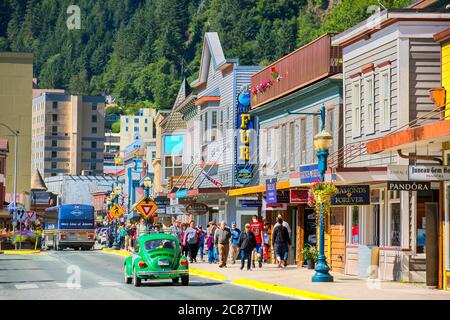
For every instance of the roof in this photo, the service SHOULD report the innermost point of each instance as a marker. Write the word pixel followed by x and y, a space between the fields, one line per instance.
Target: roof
pixel 37 183
pixel 212 52
pixel 442 36
pixel 384 18
pixel 4 145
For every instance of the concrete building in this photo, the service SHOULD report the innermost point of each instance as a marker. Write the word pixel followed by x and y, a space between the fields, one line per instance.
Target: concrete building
pixel 111 150
pixel 76 189
pixel 16 75
pixel 139 127
pixel 68 134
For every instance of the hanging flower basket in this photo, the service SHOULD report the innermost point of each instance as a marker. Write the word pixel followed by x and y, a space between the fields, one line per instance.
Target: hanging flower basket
pixel 320 194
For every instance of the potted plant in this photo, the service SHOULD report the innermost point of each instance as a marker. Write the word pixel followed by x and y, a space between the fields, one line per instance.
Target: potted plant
pixel 310 255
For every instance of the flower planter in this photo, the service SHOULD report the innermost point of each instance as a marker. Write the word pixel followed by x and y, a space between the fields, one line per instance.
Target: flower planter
pixel 310 263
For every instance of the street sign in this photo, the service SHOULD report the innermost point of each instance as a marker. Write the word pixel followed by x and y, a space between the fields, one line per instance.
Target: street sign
pixel 429 173
pixel 116 211
pixel 146 207
pixel 20 215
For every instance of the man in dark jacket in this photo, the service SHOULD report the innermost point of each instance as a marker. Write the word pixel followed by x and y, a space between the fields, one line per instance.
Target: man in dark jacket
pixel 246 244
pixel 281 242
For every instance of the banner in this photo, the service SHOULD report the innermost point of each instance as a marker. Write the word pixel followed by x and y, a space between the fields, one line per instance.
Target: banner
pixel 271 190
pixel 212 180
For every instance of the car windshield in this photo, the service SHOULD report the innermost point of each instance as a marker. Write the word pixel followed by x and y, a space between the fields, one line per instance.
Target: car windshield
pixel 159 244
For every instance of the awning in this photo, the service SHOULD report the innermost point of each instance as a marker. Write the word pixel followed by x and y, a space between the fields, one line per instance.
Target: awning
pixel 430 135
pixel 257 189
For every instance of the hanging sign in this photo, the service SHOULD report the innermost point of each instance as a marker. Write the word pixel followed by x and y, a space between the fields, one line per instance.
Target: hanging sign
pixel 408 186
pixel 250 203
pixel 299 196
pixel 356 195
pixel 244 175
pixel 197 208
pixel 271 190
pixel 283 197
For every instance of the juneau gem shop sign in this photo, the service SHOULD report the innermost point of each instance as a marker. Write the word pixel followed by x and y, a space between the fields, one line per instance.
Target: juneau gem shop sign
pixel 357 195
pixel 408 186
pixel 429 173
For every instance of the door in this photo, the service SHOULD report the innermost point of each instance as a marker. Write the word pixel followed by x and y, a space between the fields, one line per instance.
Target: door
pixel 431 242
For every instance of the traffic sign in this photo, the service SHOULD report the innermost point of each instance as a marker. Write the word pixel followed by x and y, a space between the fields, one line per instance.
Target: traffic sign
pixel 20 215
pixel 116 211
pixel 146 207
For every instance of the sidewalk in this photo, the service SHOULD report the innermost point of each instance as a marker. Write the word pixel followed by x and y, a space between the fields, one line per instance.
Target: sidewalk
pixel 292 280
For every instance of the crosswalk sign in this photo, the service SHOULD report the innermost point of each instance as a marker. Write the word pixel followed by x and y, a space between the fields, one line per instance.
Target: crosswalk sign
pixel 146 207
pixel 116 211
pixel 20 215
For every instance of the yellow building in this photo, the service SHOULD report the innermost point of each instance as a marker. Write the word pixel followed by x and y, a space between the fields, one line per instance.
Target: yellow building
pixel 16 81
pixel 444 39
pixel 138 127
pixel 68 134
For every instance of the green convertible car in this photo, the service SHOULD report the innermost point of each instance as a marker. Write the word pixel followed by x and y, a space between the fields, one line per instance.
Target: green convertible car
pixel 158 257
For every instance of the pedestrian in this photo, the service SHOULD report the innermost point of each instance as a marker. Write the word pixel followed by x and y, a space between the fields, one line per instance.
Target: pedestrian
pixel 123 234
pixel 286 225
pixel 192 241
pixel 110 236
pixel 235 234
pixel 141 229
pixel 215 248
pixel 257 228
pixel 184 247
pixel 134 235
pixel 175 228
pixel 246 245
pixel 210 243
pixel 202 235
pixel 266 242
pixel 128 237
pixel 281 242
pixel 222 238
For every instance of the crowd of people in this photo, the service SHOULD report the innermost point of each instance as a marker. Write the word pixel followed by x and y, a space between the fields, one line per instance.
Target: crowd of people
pixel 217 243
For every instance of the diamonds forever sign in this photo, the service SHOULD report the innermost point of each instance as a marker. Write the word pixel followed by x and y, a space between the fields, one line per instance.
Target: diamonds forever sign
pixel 429 173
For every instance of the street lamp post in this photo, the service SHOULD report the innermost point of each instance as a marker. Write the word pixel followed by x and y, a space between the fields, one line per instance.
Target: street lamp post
pixel 322 144
pixel 147 184
pixel 108 208
pixel 115 195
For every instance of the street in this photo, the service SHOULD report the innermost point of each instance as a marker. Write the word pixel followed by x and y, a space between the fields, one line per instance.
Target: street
pixel 55 275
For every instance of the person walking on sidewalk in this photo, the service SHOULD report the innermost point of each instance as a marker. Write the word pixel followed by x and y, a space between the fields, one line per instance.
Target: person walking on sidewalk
pixel 222 240
pixel 266 242
pixel 257 228
pixel 281 242
pixel 183 244
pixel 210 243
pixel 192 241
pixel 246 244
pixel 141 229
pixel 201 235
pixel 128 237
pixel 123 234
pixel 235 234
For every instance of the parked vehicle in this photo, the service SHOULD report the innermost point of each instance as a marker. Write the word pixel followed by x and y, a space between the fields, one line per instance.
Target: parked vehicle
pixel 70 226
pixel 158 256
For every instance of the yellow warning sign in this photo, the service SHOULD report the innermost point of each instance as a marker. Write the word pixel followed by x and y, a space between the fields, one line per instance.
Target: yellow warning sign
pixel 146 207
pixel 116 211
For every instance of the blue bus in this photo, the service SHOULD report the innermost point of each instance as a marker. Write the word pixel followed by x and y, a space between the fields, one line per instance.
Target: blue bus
pixel 70 226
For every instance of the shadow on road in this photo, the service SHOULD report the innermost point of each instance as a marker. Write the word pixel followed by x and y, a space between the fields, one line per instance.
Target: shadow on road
pixel 169 284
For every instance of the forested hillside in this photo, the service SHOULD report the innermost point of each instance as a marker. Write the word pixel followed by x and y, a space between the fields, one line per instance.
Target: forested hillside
pixel 139 50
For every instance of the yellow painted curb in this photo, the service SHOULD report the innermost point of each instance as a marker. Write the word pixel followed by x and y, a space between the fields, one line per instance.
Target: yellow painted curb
pixel 20 252
pixel 207 274
pixel 283 290
pixel 116 252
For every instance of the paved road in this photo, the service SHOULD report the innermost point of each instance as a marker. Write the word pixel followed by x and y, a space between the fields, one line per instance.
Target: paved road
pixel 54 275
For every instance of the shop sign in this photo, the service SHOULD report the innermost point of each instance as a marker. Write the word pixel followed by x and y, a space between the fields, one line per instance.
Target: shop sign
pixel 245 126
pixel 408 186
pixel 162 202
pixel 299 196
pixel 429 173
pixel 397 172
pixel 271 190
pixel 176 209
pixel 357 195
pixel 244 175
pixel 283 197
pixel 197 208
pixel 274 206
pixel 182 193
pixel 250 203
pixel 309 173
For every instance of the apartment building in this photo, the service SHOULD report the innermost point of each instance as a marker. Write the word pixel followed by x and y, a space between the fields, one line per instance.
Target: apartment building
pixel 138 127
pixel 67 134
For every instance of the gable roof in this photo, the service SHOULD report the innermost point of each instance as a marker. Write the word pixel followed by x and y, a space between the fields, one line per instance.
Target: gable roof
pixel 212 52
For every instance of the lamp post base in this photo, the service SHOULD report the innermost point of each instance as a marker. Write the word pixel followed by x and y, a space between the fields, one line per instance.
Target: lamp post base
pixel 322 271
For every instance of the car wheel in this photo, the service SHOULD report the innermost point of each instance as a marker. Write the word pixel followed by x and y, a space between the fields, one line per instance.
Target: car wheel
pixel 185 280
pixel 175 280
pixel 136 279
pixel 125 274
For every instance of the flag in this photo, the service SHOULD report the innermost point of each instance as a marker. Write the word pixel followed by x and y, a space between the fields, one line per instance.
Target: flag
pixel 213 181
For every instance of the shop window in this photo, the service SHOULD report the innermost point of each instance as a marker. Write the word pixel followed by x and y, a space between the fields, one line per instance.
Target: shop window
pixel 354 227
pixel 394 219
pixel 356 108
pixel 385 99
pixel 303 141
pixel 369 97
pixel 291 145
pixel 283 147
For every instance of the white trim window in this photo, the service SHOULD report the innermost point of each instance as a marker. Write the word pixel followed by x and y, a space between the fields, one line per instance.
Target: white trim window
pixel 385 98
pixel 303 141
pixel 394 219
pixel 369 109
pixel 356 108
pixel 291 145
